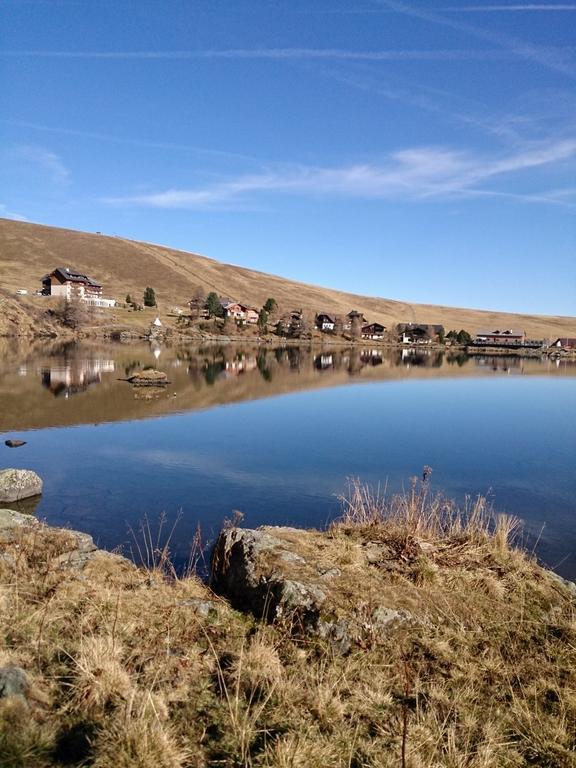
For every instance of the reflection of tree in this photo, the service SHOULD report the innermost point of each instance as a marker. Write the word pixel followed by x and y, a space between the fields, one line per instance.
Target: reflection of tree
pixel 262 364
pixel 355 364
pixel 460 358
pixel 294 358
pixel 212 369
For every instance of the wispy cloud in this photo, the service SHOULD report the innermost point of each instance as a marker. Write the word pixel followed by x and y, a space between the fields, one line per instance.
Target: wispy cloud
pixel 512 8
pixel 46 160
pixel 278 54
pixel 411 174
pixel 136 142
pixel 556 60
pixel 6 213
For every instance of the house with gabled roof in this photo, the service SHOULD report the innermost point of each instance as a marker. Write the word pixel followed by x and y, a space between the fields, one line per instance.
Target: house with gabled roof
pixel 325 322
pixel 373 331
pixel 419 333
pixel 69 284
pixel 565 342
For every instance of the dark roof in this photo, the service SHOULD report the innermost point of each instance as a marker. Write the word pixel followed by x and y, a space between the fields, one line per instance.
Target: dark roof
pixel 566 341
pixel 74 277
pixel 420 328
pixel 373 327
pixel 330 318
pixel 507 332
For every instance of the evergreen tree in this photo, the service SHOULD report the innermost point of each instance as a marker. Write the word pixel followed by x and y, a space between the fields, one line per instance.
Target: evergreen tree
pixel 270 305
pixel 262 319
pixel 213 305
pixel 149 297
pixel 128 299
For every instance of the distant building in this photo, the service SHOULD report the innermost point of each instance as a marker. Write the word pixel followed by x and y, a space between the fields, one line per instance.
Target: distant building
pixel 565 343
pixel 373 331
pixel 352 315
pixel 413 333
pixel 69 284
pixel 325 322
pixel 508 337
pixel 240 312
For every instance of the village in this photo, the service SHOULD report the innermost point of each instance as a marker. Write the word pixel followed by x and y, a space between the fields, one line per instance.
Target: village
pixel 224 316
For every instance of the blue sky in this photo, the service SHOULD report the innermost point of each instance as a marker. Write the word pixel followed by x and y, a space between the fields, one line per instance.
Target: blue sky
pixel 415 150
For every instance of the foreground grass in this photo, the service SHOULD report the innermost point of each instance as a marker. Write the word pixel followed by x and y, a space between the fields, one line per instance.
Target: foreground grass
pixel 136 668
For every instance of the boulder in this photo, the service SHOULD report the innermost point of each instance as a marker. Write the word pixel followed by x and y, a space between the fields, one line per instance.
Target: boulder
pixel 312 581
pixel 10 519
pixel 79 547
pixel 18 484
pixel 149 378
pixel 13 681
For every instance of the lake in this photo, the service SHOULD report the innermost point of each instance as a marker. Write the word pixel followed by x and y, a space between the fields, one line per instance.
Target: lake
pixel 277 433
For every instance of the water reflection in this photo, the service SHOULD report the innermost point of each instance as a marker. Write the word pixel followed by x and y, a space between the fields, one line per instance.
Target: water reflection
pixel 213 374
pixel 511 433
pixel 74 375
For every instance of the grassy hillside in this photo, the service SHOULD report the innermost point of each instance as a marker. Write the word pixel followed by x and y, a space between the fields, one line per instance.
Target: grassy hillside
pixel 28 251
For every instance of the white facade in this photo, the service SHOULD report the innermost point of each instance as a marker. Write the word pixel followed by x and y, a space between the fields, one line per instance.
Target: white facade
pixel 93 301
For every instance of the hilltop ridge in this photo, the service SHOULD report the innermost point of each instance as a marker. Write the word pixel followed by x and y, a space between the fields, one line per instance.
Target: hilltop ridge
pixel 28 251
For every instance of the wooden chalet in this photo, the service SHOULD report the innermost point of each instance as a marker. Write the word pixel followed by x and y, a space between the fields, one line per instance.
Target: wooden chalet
pixel 373 331
pixel 240 312
pixel 325 322
pixel 414 333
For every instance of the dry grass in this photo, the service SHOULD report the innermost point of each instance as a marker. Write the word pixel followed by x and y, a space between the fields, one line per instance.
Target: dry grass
pixel 127 671
pixel 127 266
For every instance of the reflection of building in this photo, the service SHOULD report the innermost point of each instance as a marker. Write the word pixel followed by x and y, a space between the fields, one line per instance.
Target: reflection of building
pixel 321 362
pixel 421 358
pixel 73 376
pixel 371 357
pixel 505 364
pixel 241 364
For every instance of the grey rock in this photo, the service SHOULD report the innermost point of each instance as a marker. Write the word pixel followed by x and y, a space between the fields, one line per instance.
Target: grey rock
pixel 14 443
pixel 13 681
pixel 337 633
pixel 297 596
pixel 329 573
pixel 570 585
pixel 383 617
pixel 18 484
pixel 203 608
pixel 246 567
pixel 9 518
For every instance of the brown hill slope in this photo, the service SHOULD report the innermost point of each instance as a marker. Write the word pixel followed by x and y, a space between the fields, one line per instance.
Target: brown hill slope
pixel 28 251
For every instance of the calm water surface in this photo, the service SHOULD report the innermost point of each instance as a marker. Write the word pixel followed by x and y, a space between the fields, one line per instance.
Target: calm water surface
pixel 276 433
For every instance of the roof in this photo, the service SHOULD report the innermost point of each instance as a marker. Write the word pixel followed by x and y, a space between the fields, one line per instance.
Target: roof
pixel 374 326
pixel 64 273
pixel 330 318
pixel 566 341
pixel 507 332
pixel 420 328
